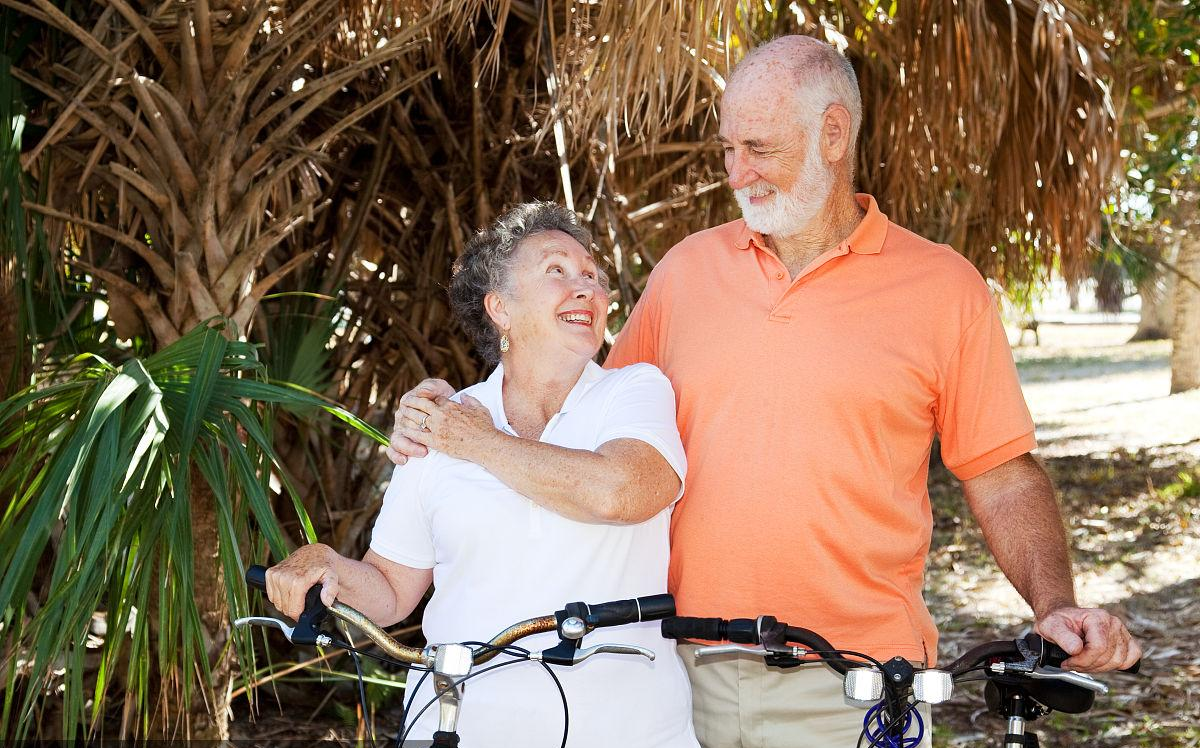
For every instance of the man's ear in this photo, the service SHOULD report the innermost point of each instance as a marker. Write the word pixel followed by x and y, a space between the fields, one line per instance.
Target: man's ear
pixel 496 310
pixel 835 133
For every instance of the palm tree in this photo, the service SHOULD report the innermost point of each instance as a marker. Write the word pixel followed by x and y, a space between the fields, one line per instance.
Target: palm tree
pixel 195 158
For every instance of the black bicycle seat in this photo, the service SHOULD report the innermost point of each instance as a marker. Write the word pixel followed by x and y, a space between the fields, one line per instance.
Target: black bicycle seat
pixel 1053 695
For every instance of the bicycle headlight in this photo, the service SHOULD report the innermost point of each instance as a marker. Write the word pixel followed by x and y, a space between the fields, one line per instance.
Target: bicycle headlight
pixel 933 686
pixel 863 684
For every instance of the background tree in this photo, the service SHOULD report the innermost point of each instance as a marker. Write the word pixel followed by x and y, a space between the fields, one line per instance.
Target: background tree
pixel 1155 216
pixel 310 169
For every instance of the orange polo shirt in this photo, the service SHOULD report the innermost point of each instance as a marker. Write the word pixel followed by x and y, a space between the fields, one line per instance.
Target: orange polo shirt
pixel 807 408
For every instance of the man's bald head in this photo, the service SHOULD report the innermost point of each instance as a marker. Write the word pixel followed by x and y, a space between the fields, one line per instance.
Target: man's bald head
pixel 813 72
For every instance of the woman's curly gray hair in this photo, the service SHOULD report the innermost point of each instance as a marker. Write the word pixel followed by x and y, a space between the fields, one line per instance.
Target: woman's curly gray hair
pixel 486 266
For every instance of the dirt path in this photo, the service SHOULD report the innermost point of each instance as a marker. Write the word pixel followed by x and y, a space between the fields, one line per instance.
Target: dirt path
pixel 1124 455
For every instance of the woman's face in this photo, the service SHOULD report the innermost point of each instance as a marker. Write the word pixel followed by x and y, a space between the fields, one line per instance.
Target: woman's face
pixel 556 298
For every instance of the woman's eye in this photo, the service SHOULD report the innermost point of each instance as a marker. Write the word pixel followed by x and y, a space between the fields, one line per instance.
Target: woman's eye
pixel 554 269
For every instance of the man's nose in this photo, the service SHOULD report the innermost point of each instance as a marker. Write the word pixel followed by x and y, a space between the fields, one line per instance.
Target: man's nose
pixel 740 173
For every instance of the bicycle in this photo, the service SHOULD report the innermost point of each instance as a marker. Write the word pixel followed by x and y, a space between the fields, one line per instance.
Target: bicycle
pixel 1023 679
pixel 451 664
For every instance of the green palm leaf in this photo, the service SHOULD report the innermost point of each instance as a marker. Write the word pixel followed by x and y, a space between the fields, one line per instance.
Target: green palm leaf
pixel 107 467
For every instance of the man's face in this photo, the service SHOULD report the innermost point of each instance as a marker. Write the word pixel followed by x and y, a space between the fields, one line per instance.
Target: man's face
pixel 773 157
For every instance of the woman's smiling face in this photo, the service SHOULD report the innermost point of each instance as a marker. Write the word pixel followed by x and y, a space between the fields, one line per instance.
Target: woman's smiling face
pixel 556 298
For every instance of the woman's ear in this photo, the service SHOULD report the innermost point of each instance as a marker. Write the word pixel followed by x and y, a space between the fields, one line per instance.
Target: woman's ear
pixel 496 310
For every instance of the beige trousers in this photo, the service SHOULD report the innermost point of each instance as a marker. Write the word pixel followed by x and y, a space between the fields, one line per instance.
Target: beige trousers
pixel 738 702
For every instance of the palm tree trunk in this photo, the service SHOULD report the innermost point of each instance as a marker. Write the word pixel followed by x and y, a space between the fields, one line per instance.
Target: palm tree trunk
pixel 1158 307
pixel 209 708
pixel 1185 356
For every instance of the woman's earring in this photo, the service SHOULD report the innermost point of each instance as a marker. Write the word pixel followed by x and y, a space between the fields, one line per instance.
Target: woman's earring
pixel 504 346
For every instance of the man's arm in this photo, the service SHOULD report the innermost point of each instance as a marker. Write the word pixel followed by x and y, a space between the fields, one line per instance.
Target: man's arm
pixel 1015 506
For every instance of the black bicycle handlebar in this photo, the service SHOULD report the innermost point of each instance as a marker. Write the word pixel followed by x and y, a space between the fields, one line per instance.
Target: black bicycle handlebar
pixel 1051 654
pixel 621 612
pixel 256 577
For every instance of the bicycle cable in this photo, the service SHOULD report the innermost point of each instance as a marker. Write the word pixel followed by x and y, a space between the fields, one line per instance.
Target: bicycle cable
pixel 880 735
pixel 523 655
pixel 406 707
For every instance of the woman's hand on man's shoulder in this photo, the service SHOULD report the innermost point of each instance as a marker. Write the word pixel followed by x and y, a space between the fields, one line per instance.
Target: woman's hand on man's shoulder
pixel 463 430
pixel 400 447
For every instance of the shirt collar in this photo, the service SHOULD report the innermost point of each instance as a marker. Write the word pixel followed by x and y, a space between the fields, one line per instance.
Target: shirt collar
pixel 491 394
pixel 866 239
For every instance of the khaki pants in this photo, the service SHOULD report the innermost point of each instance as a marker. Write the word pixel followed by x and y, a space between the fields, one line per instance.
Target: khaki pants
pixel 738 702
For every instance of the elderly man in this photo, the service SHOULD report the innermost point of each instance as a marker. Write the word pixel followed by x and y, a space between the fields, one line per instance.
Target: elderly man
pixel 815 349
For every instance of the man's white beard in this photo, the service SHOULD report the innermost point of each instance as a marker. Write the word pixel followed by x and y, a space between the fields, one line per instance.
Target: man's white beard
pixel 788 212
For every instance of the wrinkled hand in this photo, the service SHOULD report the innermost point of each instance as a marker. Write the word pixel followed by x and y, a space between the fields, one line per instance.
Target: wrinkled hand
pixel 463 430
pixel 289 581
pixel 401 448
pixel 1096 640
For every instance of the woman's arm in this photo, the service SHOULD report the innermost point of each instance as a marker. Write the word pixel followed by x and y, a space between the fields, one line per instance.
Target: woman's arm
pixel 624 481
pixel 383 590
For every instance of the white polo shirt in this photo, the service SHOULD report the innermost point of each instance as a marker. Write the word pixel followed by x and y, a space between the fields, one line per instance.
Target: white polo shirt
pixel 498 558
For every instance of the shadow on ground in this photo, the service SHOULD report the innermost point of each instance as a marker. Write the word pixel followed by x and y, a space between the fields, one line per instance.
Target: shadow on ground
pixel 1129 514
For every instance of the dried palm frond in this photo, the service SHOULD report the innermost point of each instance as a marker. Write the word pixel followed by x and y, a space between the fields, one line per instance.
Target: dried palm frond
pixel 185 145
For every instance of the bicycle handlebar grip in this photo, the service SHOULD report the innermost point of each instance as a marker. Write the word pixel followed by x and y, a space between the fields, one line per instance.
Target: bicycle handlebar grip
pixel 619 612
pixel 656 607
pixel 256 576
pixel 686 627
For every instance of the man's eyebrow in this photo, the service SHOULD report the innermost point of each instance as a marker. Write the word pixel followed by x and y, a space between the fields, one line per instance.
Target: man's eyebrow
pixel 753 142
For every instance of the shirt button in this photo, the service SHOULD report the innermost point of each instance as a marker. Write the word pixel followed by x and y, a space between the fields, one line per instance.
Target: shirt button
pixel 779 276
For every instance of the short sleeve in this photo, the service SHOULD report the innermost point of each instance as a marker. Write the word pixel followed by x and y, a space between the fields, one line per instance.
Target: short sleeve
pixel 981 413
pixel 642 407
pixel 402 533
pixel 638 340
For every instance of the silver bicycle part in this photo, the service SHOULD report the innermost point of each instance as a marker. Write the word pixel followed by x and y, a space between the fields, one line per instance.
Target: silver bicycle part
pixel 933 686
pixel 1048 672
pixel 1015 732
pixel 322 639
pixel 573 628
pixel 586 652
pixel 863 684
pixel 721 649
pixel 450 663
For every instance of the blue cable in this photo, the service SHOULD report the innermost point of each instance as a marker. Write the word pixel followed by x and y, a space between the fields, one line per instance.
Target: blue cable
pixel 875 728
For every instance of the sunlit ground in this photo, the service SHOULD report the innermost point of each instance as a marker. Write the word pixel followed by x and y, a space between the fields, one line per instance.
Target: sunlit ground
pixel 1124 454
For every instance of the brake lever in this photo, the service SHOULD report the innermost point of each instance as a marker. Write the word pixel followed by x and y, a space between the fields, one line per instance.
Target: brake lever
pixel 720 649
pixel 275 622
pixel 1049 672
pixel 782 653
pixel 582 654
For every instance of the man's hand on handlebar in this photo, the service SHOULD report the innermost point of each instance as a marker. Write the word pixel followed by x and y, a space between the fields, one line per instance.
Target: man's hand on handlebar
pixel 401 448
pixel 290 580
pixel 1096 640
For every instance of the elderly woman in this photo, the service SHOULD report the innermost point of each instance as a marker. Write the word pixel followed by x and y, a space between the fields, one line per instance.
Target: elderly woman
pixel 548 482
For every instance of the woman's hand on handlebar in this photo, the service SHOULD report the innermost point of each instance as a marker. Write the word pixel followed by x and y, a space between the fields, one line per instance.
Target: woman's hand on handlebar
pixel 1096 640
pixel 289 581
